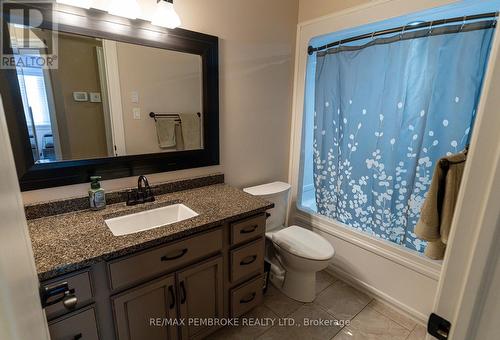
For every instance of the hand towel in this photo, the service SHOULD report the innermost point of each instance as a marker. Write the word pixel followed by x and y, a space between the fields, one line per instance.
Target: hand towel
pixel 437 211
pixel 191 130
pixel 165 129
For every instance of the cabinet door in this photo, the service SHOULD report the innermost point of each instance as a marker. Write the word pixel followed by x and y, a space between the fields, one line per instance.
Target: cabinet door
pixel 200 297
pixel 145 312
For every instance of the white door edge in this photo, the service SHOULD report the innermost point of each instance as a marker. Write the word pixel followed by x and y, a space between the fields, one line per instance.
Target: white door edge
pixel 21 314
pixel 466 266
pixel 115 96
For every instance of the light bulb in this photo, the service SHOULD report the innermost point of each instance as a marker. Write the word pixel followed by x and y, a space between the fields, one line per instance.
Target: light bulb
pixel 165 15
pixel 124 8
pixel 77 3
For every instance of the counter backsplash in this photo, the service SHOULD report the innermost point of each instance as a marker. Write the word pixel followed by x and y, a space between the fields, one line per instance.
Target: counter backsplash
pixel 63 206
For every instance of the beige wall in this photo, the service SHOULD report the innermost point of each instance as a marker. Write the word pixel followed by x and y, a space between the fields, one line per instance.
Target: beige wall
pixel 311 9
pixel 166 81
pixel 81 123
pixel 255 54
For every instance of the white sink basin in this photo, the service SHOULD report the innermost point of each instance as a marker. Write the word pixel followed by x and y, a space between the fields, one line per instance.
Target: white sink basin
pixel 149 219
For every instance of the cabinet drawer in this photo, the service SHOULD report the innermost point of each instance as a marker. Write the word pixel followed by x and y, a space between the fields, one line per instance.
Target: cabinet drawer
pixel 247 260
pixel 81 325
pixel 246 296
pixel 244 230
pixel 147 264
pixel 79 284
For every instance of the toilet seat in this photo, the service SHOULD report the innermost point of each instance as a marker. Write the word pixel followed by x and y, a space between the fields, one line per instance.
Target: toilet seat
pixel 303 243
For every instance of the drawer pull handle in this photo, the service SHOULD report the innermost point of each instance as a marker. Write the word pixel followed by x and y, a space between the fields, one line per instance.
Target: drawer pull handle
pixel 70 301
pixel 172 296
pixel 50 295
pixel 250 299
pixel 183 293
pixel 248 260
pixel 249 230
pixel 78 336
pixel 175 257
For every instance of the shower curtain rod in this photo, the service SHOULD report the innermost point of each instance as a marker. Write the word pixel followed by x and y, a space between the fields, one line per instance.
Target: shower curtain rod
pixel 405 28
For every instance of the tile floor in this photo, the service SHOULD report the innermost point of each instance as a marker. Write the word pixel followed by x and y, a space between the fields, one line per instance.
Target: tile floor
pixel 335 300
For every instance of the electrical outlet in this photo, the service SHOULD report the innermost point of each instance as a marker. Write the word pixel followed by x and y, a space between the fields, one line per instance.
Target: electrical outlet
pixel 136 112
pixel 95 97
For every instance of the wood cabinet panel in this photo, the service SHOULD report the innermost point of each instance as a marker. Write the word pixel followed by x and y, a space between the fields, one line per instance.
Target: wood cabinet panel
pixel 246 296
pixel 125 272
pixel 200 296
pixel 135 309
pixel 250 228
pixel 80 286
pixel 247 260
pixel 79 325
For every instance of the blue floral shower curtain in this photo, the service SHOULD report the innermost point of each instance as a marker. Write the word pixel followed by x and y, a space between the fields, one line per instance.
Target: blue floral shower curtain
pixel 384 114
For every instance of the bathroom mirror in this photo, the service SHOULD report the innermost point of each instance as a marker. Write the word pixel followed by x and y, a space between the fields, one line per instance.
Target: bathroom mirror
pixel 103 95
pixel 98 101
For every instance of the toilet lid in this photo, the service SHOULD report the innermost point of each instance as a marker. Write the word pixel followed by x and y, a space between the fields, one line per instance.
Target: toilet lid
pixel 304 243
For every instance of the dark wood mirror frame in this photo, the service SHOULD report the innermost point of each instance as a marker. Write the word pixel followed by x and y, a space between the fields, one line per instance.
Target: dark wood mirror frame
pixel 96 23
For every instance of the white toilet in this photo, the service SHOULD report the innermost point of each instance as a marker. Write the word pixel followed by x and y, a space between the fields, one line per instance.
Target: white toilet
pixel 295 253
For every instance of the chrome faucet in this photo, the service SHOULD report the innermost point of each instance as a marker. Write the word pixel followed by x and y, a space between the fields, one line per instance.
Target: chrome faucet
pixel 142 194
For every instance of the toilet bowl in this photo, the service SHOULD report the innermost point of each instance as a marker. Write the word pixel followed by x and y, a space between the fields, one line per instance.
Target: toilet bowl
pixel 296 254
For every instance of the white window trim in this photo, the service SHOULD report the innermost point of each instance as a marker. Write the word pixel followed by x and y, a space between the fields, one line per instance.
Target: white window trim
pixel 391 251
pixel 353 17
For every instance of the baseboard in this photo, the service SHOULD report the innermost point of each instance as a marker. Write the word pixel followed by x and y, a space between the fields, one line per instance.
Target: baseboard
pixel 375 293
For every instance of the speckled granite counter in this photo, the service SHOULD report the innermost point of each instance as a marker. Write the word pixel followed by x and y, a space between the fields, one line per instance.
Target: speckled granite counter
pixel 67 242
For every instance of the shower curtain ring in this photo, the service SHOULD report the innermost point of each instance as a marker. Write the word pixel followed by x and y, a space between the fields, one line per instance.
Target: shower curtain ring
pixel 373 34
pixel 463 24
pixel 402 33
pixel 430 29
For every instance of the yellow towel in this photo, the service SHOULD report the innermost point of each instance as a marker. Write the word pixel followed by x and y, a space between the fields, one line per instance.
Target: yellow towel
pixel 437 211
pixel 191 130
pixel 165 130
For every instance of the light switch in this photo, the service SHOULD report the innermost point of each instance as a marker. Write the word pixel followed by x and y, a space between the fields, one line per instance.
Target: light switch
pixel 135 97
pixel 137 113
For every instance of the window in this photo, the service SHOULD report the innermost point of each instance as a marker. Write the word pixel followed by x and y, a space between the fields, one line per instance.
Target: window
pixel 34 94
pixel 34 87
pixel 379 114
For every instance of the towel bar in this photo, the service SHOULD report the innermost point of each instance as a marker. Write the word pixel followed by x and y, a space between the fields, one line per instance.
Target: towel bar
pixel 168 115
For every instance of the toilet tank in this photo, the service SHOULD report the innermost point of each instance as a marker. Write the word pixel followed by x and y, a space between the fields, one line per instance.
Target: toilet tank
pixel 277 193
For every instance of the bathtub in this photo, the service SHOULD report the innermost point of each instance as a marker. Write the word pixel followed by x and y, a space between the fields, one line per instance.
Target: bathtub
pixel 400 277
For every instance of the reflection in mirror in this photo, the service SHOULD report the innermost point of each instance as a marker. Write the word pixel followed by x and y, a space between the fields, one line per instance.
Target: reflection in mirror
pixel 97 102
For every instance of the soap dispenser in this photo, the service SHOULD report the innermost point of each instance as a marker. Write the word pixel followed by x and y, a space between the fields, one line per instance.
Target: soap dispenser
pixel 97 196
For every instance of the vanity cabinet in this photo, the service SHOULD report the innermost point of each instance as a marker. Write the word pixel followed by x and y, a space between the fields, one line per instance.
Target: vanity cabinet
pixel 172 291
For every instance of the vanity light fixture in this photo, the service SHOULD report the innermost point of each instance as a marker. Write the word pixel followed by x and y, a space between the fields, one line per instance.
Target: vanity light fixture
pixel 76 3
pixel 124 8
pixel 165 15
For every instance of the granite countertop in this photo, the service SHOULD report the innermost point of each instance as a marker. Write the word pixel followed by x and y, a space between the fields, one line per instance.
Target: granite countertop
pixel 67 242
